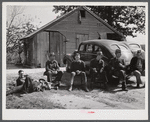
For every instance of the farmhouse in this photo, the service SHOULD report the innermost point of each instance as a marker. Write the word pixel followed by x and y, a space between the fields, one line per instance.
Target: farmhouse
pixel 64 34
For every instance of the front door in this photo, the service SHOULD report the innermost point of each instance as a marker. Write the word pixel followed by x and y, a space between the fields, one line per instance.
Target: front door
pixel 80 38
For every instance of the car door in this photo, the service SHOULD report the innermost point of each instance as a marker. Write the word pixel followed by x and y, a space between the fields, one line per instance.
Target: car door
pixel 105 52
pixel 89 51
pixel 85 52
pixel 82 51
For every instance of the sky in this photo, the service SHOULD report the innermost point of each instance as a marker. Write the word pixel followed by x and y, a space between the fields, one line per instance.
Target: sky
pixel 41 15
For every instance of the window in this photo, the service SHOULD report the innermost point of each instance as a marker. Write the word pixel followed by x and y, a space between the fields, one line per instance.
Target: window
pixel 114 36
pixel 96 48
pixel 89 48
pixel 82 12
pixel 81 48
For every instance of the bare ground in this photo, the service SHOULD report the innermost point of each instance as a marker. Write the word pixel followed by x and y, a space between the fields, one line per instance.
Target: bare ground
pixel 98 98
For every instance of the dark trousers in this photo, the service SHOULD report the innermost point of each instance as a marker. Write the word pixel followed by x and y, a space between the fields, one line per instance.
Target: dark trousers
pixel 137 74
pixel 102 76
pixel 51 73
pixel 83 77
pixel 121 75
pixel 26 87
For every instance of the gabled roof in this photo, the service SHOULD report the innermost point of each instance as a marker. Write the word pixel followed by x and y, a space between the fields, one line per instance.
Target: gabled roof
pixel 66 15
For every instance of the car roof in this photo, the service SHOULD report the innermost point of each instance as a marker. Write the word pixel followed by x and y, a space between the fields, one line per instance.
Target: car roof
pixel 104 42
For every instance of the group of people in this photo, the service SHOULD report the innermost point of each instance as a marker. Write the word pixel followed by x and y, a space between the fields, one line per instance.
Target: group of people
pixel 98 69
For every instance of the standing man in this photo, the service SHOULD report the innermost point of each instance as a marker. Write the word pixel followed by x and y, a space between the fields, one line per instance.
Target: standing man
pixel 137 67
pixel 118 66
pixel 52 68
pixel 78 68
pixel 97 69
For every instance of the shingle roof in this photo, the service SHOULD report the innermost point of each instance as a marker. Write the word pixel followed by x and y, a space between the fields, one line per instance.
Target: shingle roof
pixel 66 15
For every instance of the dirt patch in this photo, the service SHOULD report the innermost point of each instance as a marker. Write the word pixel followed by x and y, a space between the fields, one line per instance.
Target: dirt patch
pixel 77 99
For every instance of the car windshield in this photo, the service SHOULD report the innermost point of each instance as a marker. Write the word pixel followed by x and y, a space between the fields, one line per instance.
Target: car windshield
pixel 134 46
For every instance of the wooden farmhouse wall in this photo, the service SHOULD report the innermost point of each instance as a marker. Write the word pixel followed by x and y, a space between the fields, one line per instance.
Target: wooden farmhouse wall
pixel 42 50
pixel 41 44
pixel 89 28
pixel 53 37
pixel 28 50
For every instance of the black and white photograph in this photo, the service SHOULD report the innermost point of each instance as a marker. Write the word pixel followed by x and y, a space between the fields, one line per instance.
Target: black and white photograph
pixel 86 60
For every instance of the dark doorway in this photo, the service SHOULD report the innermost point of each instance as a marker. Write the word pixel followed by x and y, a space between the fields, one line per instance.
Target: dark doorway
pixel 57 44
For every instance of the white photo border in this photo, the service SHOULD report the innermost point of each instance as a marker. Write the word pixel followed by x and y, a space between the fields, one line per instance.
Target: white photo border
pixel 70 114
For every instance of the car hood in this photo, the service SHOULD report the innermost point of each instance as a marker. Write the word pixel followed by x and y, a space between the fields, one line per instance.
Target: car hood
pixel 134 51
pixel 127 56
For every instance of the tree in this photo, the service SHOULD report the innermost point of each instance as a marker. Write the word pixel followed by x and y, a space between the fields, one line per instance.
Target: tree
pixel 126 19
pixel 18 26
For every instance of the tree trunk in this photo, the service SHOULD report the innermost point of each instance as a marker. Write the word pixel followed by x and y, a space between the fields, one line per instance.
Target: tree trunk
pixel 109 16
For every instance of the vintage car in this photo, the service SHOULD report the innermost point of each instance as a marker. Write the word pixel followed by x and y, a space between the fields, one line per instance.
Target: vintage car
pixel 134 47
pixel 89 48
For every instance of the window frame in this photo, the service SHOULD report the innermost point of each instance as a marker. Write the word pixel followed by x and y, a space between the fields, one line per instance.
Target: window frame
pixel 88 48
pixel 82 13
pixel 83 48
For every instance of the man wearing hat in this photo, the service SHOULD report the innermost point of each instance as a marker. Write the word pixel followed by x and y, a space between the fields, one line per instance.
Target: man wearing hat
pixel 117 65
pixel 97 69
pixel 137 67
pixel 52 69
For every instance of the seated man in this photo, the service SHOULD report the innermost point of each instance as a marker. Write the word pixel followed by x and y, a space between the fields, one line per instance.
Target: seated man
pixel 78 68
pixel 24 84
pixel 137 66
pixel 97 69
pixel 52 69
pixel 117 66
